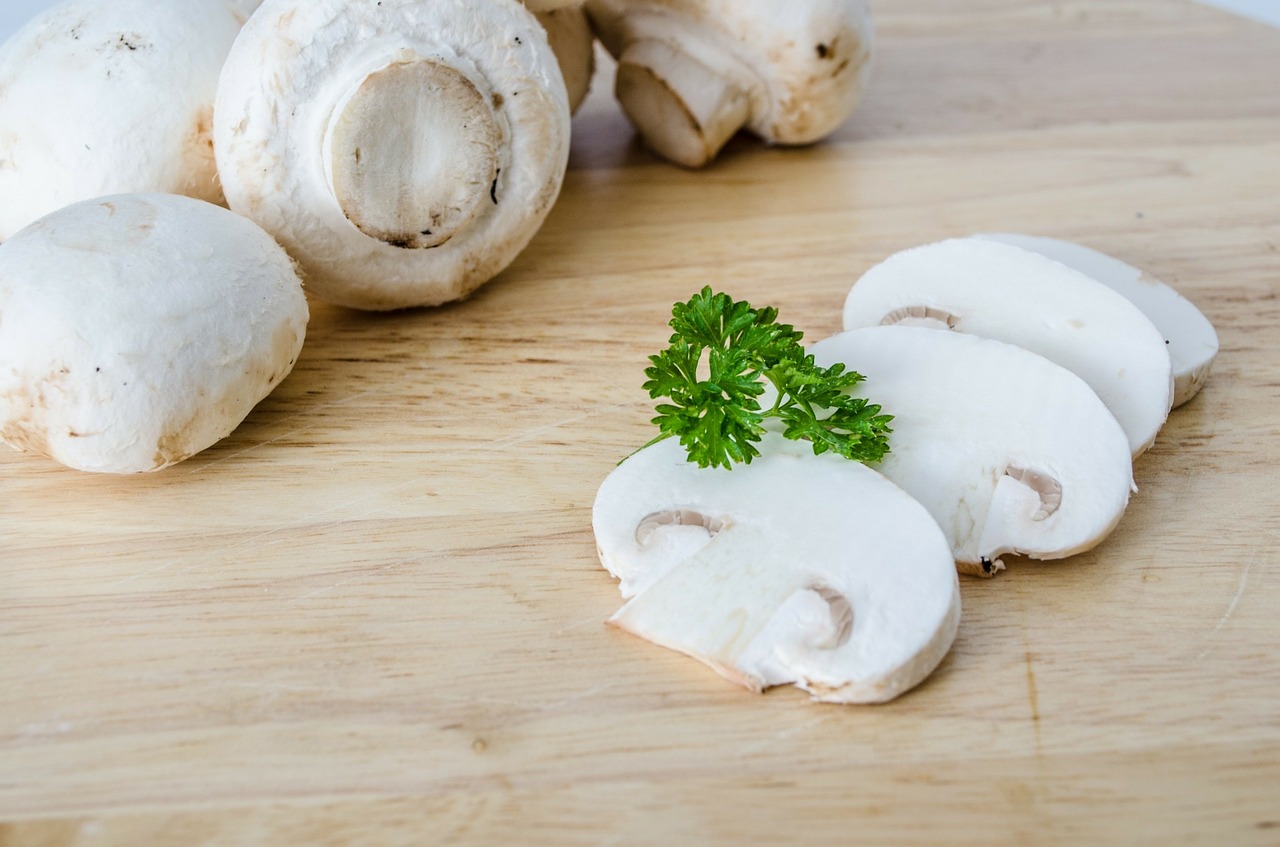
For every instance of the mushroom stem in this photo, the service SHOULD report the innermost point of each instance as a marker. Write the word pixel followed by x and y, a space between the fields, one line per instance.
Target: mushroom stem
pixel 412 152
pixel 685 110
pixel 715 604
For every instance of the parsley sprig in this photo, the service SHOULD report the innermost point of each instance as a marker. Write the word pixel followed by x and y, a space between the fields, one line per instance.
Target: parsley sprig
pixel 723 353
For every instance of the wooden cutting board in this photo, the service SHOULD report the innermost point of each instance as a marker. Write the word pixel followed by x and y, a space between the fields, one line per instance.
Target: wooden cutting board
pixel 374 614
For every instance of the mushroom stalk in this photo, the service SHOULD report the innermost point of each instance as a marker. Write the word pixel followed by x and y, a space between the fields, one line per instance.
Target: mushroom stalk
pixel 685 109
pixel 413 152
pixel 692 73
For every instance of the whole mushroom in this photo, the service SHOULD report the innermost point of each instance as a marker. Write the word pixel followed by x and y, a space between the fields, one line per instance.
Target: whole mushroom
pixel 573 42
pixel 403 152
pixel 137 330
pixel 692 73
pixel 103 98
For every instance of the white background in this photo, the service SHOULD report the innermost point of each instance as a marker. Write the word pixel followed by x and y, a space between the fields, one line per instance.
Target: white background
pixel 14 12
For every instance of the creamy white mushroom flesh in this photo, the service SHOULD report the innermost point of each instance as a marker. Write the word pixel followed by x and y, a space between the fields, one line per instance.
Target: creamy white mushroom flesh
pixel 692 73
pixel 137 330
pixel 403 152
pixel 106 98
pixel 998 291
pixel 244 8
pixel 795 569
pixel 1192 340
pixel 573 42
pixel 1009 452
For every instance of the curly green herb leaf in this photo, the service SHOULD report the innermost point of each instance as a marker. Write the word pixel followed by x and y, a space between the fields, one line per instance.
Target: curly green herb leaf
pixel 722 354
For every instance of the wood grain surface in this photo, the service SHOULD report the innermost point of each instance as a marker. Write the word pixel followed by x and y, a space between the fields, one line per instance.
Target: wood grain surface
pixel 374 614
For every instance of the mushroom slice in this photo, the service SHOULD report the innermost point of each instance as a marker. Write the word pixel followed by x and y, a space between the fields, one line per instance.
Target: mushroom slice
pixel 1192 340
pixel 1009 452
pixel 573 42
pixel 404 153
pixel 137 330
pixel 802 569
pixel 692 73
pixel 1013 295
pixel 106 98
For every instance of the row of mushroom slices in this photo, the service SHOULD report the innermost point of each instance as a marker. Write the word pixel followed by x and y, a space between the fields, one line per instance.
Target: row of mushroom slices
pixel 402 152
pixel 1023 374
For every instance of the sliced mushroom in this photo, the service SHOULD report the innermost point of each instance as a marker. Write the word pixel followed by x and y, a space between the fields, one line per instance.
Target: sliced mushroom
pixel 1013 295
pixel 105 98
pixel 137 330
pixel 574 44
pixel 692 73
pixel 795 569
pixel 1192 340
pixel 1009 452
pixel 404 153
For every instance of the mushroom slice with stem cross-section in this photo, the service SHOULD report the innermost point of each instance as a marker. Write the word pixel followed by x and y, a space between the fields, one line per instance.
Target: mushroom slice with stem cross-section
pixel 403 152
pixel 998 291
pixel 1192 340
pixel 692 73
pixel 794 569
pixel 1009 452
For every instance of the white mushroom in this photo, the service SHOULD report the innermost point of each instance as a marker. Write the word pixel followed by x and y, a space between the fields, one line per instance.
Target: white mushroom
pixel 403 152
pixel 997 291
pixel 244 8
pixel 692 73
pixel 104 98
pixel 802 569
pixel 1009 452
pixel 574 44
pixel 1192 340
pixel 541 6
pixel 137 330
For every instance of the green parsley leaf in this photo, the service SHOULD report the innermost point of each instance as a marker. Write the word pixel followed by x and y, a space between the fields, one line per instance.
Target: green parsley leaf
pixel 722 354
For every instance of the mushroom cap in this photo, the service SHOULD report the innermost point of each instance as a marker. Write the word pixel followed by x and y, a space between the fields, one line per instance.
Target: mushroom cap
pixel 137 330
pixel 104 98
pixel 804 64
pixel 571 38
pixel 998 291
pixel 796 568
pixel 1008 451
pixel 541 6
pixel 244 8
pixel 481 75
pixel 1191 338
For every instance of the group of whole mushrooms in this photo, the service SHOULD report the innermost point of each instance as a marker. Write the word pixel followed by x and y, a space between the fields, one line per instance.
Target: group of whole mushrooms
pixel 400 153
pixel 391 153
pixel 1024 376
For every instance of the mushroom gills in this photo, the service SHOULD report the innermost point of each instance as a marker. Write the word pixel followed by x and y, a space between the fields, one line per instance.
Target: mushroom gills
pixel 1193 342
pixel 925 316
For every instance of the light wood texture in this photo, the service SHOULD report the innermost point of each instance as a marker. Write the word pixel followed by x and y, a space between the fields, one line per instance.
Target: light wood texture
pixel 374 614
